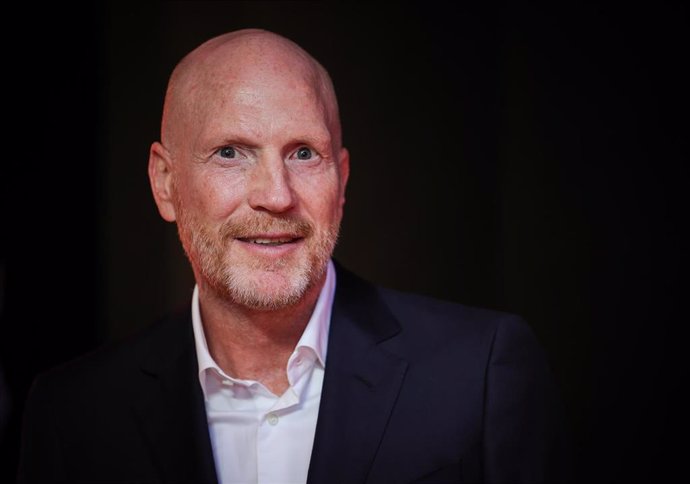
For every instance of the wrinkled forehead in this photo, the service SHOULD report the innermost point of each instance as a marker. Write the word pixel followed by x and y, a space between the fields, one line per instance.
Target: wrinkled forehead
pixel 260 108
pixel 259 96
pixel 251 73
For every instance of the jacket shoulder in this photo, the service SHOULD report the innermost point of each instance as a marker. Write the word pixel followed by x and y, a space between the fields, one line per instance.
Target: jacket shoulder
pixel 413 305
pixel 434 318
pixel 428 326
pixel 110 365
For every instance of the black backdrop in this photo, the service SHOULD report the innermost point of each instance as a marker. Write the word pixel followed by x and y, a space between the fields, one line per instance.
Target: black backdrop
pixel 528 160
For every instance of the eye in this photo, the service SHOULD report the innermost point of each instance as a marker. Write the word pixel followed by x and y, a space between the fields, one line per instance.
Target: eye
pixel 304 153
pixel 227 152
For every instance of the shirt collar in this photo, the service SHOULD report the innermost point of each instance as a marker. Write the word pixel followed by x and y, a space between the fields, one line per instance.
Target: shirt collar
pixel 314 337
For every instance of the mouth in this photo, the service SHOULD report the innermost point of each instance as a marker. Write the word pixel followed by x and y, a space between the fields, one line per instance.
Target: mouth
pixel 270 241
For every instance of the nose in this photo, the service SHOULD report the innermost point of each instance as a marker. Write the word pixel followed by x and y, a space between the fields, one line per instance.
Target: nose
pixel 270 188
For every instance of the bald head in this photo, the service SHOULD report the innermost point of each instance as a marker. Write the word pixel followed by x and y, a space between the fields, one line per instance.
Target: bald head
pixel 233 61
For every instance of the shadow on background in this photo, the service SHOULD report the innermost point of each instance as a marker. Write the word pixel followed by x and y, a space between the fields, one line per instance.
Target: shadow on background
pixel 527 160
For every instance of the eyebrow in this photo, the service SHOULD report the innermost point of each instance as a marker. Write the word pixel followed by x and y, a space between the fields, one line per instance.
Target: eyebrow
pixel 241 140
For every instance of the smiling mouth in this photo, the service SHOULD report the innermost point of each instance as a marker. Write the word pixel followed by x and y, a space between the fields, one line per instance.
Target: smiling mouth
pixel 269 241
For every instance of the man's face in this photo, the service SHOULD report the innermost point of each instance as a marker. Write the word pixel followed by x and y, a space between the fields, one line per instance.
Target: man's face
pixel 258 189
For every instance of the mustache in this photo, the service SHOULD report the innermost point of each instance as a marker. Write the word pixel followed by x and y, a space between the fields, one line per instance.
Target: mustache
pixel 265 224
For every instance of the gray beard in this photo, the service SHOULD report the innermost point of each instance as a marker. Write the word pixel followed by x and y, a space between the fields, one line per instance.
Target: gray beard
pixel 245 283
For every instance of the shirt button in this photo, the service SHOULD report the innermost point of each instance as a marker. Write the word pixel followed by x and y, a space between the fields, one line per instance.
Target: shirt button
pixel 272 419
pixel 298 361
pixel 227 383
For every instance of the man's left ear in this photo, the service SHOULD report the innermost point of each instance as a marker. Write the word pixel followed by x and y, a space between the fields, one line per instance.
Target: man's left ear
pixel 343 172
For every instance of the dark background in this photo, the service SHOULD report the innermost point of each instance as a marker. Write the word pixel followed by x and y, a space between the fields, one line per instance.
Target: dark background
pixel 532 160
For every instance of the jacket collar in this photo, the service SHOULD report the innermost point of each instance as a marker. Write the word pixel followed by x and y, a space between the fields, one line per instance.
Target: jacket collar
pixel 361 383
pixel 171 414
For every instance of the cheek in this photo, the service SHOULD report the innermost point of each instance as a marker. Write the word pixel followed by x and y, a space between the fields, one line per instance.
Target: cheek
pixel 320 197
pixel 215 196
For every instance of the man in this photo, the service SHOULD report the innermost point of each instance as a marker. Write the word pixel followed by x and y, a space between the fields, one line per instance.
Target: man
pixel 287 368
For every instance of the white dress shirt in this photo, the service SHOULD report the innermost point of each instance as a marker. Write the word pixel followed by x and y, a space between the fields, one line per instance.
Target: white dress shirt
pixel 259 437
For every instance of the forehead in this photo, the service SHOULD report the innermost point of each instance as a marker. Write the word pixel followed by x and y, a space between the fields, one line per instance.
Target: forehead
pixel 260 105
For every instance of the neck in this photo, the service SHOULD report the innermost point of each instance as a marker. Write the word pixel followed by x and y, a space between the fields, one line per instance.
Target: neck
pixel 253 344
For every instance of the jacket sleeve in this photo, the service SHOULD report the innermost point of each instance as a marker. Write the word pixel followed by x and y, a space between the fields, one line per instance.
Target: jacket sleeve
pixel 526 439
pixel 40 460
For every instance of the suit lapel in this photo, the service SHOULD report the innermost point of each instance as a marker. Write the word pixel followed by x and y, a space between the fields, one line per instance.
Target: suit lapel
pixel 361 384
pixel 171 413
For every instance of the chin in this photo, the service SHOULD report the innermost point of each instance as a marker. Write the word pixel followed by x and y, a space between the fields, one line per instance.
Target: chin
pixel 268 289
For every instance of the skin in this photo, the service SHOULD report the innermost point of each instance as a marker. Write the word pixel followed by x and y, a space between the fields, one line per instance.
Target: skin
pixel 251 149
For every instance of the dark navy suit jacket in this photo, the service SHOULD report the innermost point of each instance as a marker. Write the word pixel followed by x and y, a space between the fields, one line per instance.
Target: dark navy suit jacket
pixel 415 390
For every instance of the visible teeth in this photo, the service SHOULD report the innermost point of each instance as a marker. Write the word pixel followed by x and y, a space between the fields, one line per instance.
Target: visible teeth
pixel 269 241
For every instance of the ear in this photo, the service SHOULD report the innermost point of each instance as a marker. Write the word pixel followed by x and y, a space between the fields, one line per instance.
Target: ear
pixel 344 173
pixel 161 178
